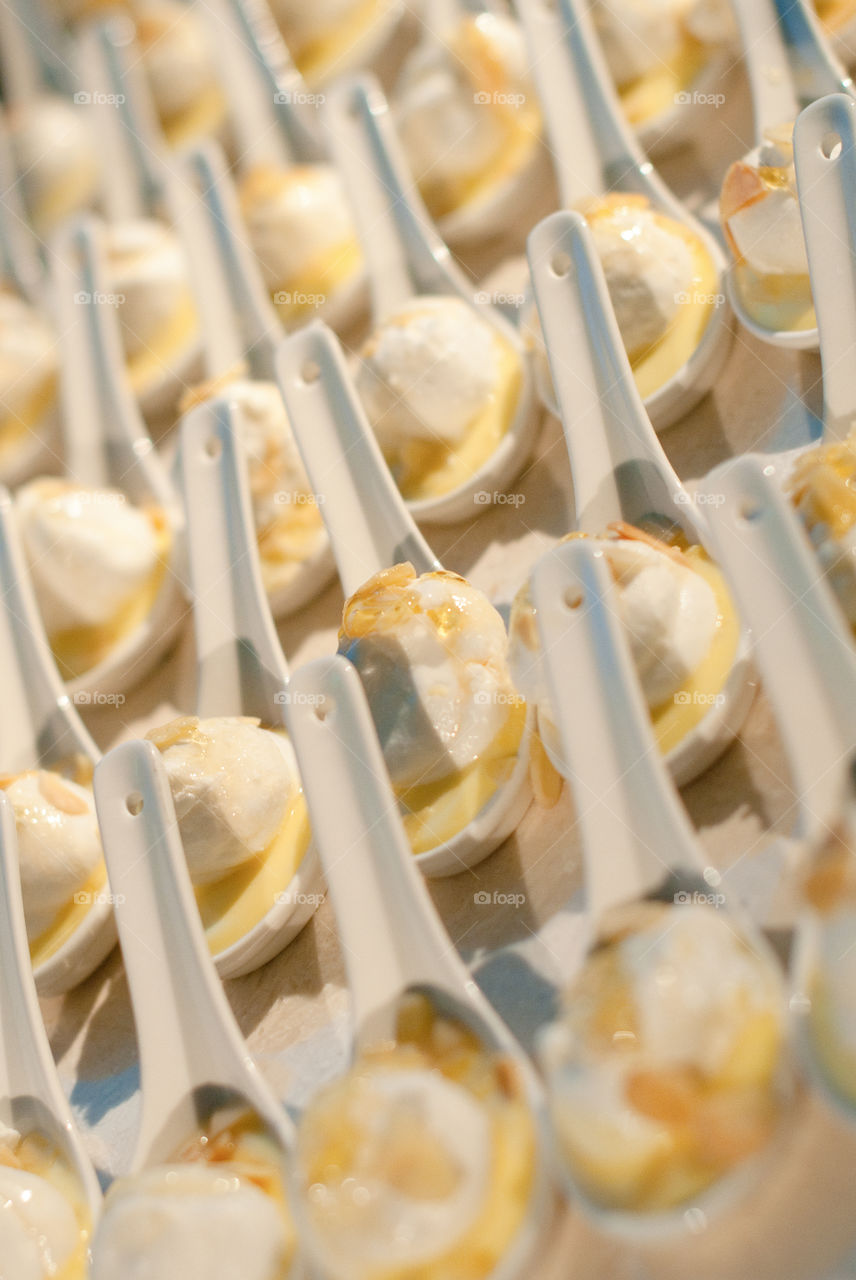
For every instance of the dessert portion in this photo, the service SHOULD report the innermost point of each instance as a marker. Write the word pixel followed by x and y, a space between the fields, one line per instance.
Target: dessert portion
pixel 217 1209
pixel 680 621
pixel 322 36
pixel 656 52
pixel 302 234
pixel 431 652
pixel 241 816
pixel 59 851
pixel 97 564
pixel 467 112
pixel 663 284
pixel 44 1222
pixel 28 381
pixel 830 895
pixel 822 487
pixel 419 1163
pixel 288 524
pixel 664 1066
pixel 760 215
pixel 149 279
pixel 56 158
pixel 181 71
pixel 440 387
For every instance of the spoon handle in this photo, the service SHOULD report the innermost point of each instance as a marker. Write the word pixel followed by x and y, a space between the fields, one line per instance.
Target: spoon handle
pixel 827 190
pixel 19 257
pixel 31 53
pixel 39 723
pixel 798 629
pixel 768 66
pixel 241 667
pixel 404 253
pixel 26 1063
pixel 634 827
pixel 237 316
pixel 390 933
pixel 367 521
pixel 104 439
pixel 129 134
pixel 186 1032
pixel 619 469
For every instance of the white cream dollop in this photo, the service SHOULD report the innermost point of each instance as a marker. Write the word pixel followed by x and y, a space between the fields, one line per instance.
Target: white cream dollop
pixel 56 156
pixel 176 55
pixel 451 127
pixel 381 1216
pixel 232 783
pixel 148 280
pixel 432 655
pixel 28 357
pixel 59 846
pixel 428 371
pixel 39 1232
pixel 761 209
pixel 189 1222
pixel 302 24
pixel 275 467
pixel 90 551
pixel 649 271
pixel 639 35
pixel 298 220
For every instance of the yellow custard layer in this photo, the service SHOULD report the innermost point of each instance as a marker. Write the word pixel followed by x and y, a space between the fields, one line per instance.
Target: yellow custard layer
pixel 13 427
pixel 837 1059
pixel 428 1040
pixel 429 469
pixel 317 58
pixel 674 719
pixel 435 812
pixel 658 90
pixel 70 918
pixel 205 117
pixel 776 301
pixel 35 1154
pixel 303 295
pixel 79 649
pixel 231 907
pixel 656 365
pixel 155 360
pixel 75 191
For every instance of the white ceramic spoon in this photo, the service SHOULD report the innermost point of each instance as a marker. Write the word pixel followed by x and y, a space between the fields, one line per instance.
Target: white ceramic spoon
pixel 596 153
pixel 193 1059
pixel 239 324
pixel 273 121
pixel 241 669
pixel 619 469
pixel 40 728
pixel 32 45
pixel 638 842
pixel 407 259
pixel 392 938
pixel 31 1097
pixel 789 64
pixel 105 442
pixel 370 529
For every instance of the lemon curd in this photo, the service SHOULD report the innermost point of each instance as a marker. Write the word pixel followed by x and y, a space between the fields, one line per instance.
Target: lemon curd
pixel 655 365
pixel 425 469
pixel 34 1154
pixel 28 416
pixel 155 360
pixel 338 1149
